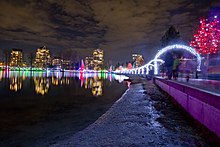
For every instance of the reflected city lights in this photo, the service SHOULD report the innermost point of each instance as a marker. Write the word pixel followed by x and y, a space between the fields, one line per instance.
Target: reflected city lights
pixel 88 83
pixel 121 78
pixel 42 80
pixel 97 88
pixel 15 83
pixel 65 81
pixel 41 85
pixel 1 75
pixel 56 80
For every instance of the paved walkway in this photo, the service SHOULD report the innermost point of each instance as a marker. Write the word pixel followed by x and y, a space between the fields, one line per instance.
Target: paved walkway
pixel 205 84
pixel 212 86
pixel 134 121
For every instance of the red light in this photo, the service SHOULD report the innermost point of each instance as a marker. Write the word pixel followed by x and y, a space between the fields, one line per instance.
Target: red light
pixel 207 37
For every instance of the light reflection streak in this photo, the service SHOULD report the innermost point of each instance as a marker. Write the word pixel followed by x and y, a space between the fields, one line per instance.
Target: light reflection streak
pixel 1 76
pixel 41 85
pixel 15 83
pixel 43 80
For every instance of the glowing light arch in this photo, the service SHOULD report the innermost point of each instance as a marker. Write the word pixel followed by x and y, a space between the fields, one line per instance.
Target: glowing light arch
pixel 150 64
pixel 177 46
pixel 138 70
pixel 156 60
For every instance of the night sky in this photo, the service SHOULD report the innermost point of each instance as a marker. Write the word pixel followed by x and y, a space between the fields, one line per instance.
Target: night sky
pixel 119 27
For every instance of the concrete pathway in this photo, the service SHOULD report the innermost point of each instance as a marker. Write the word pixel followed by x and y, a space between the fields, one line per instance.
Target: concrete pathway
pixel 205 84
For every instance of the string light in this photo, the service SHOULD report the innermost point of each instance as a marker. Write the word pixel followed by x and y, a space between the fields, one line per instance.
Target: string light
pixel 207 39
pixel 156 59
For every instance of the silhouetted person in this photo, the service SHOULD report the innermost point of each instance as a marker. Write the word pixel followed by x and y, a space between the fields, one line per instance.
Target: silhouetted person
pixel 176 64
pixel 168 64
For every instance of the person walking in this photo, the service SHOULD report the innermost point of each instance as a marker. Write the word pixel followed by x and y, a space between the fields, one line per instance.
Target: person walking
pixel 168 64
pixel 176 64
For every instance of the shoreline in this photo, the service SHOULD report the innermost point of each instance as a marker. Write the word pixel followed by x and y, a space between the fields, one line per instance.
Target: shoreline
pixel 138 118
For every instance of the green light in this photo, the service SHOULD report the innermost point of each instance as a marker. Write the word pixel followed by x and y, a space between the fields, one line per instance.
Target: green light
pixel 20 73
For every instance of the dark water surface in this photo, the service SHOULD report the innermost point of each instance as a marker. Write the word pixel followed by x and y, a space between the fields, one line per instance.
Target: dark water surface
pixel 40 108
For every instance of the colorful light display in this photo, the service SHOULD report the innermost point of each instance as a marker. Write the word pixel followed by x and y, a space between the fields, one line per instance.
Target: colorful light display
pixel 206 40
pixel 179 46
pixel 154 62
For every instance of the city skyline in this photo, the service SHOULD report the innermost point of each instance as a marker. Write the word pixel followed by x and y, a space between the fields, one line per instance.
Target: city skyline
pixel 118 27
pixel 15 58
pixel 109 73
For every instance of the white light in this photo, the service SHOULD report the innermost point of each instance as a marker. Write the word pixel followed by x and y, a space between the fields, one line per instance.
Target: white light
pixel 160 52
pixel 178 46
pixel 215 16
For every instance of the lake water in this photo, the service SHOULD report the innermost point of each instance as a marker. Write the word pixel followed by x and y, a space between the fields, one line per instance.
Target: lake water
pixel 38 108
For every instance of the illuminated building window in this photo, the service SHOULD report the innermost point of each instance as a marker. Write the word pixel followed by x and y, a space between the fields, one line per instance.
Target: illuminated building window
pixel 98 59
pixel 138 60
pixel 16 58
pixel 89 63
pixel 42 59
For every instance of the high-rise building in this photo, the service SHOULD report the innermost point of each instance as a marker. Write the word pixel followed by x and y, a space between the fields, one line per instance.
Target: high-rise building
pixel 42 59
pixel 66 64
pixel 89 63
pixel 98 59
pixel 57 62
pixel 138 60
pixel 16 58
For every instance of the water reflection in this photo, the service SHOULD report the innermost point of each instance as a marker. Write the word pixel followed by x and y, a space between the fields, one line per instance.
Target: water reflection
pixel 121 78
pixel 43 81
pixel 60 80
pixel 93 82
pixel 1 75
pixel 97 86
pixel 32 102
pixel 15 83
pixel 41 85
